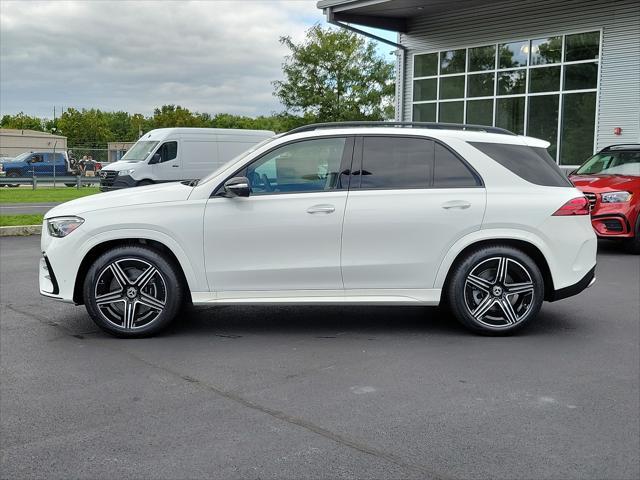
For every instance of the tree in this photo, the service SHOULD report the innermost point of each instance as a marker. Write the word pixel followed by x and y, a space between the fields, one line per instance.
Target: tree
pixel 335 75
pixel 22 122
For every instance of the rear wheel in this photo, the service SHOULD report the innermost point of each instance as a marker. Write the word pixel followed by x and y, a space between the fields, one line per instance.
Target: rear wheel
pixel 133 291
pixel 495 290
pixel 13 175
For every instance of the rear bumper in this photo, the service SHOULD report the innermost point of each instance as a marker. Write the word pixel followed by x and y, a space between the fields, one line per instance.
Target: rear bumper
pixel 586 281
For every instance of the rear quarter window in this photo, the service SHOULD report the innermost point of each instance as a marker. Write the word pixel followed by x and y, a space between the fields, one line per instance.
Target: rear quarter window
pixel 532 164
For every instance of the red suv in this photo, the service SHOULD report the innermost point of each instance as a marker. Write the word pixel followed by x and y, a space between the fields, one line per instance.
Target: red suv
pixel 611 181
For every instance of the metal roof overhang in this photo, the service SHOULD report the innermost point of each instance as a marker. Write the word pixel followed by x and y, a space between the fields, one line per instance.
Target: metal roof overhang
pixel 391 15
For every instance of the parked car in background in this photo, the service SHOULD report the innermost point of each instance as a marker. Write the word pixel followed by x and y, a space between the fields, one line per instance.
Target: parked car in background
pixel 611 181
pixel 173 154
pixel 334 213
pixel 38 164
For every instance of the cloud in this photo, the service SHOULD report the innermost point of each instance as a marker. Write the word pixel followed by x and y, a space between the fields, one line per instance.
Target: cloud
pixel 208 56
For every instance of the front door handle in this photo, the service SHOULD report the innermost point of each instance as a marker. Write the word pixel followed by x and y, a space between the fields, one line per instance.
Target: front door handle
pixel 459 204
pixel 175 166
pixel 324 208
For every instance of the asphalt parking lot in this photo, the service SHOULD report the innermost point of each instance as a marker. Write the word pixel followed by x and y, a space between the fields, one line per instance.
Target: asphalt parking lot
pixel 321 392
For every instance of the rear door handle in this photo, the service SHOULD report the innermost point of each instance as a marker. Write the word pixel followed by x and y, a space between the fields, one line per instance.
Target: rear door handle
pixel 323 208
pixel 175 166
pixel 459 204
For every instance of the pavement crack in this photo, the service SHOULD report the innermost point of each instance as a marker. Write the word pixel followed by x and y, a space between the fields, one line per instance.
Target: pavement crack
pixel 300 422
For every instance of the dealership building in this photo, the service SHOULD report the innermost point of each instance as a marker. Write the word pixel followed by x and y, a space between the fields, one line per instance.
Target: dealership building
pixel 567 71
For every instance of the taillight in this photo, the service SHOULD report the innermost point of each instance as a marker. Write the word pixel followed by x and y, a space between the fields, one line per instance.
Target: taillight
pixel 575 206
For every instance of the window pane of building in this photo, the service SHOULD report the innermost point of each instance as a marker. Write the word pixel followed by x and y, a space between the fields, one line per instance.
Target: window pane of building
pixel 514 54
pixel 510 114
pixel 482 58
pixel 425 89
pixel 543 120
pixel 480 112
pixel 480 85
pixel 545 79
pixel 396 162
pixel 578 124
pixel 425 65
pixel 452 61
pixel 512 82
pixel 582 46
pixel 451 112
pixel 452 87
pixel 424 112
pixel 580 75
pixel 546 50
pixel 450 171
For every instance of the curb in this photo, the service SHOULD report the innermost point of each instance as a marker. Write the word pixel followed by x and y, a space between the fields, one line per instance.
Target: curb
pixel 20 230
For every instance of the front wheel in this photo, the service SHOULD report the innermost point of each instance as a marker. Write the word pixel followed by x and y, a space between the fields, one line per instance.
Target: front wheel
pixel 133 291
pixel 496 290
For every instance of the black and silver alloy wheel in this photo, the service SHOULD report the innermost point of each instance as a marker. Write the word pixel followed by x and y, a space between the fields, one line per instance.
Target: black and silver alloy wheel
pixel 495 290
pixel 130 293
pixel 499 292
pixel 133 291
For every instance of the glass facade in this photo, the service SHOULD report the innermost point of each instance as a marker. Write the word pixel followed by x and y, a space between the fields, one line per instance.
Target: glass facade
pixel 542 87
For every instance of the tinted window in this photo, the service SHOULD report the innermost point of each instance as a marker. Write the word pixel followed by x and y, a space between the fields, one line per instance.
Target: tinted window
pixel 307 166
pixel 450 171
pixel 390 162
pixel 534 165
pixel 168 151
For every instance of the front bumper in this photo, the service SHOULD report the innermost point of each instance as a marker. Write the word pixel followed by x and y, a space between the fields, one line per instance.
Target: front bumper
pixel 586 281
pixel 46 279
pixel 120 181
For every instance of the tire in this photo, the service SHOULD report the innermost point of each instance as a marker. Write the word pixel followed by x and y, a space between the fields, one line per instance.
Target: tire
pixel 143 183
pixel 632 245
pixel 13 175
pixel 491 300
pixel 133 308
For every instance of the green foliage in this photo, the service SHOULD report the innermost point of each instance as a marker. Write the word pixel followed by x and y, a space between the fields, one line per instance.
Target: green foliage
pixel 22 122
pixel 335 75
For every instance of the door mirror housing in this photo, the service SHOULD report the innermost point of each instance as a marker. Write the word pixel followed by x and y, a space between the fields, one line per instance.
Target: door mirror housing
pixel 237 187
pixel 155 159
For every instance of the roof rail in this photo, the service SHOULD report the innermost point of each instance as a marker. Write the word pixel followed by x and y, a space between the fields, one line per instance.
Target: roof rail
pixel 426 125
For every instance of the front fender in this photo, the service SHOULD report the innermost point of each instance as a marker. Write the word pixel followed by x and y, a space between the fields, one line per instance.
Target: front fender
pixel 195 279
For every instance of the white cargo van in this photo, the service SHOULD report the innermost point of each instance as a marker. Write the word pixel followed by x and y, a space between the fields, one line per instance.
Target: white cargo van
pixel 173 154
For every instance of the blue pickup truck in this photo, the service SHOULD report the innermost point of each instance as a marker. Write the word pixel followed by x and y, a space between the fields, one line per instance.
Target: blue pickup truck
pixel 39 164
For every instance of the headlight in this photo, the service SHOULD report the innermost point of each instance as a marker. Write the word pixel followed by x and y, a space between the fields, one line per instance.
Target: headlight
pixel 63 226
pixel 616 197
pixel 126 172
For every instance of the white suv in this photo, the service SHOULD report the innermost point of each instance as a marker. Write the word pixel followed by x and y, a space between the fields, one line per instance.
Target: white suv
pixel 383 213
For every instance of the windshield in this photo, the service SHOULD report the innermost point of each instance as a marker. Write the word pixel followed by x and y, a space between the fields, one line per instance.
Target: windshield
pixel 139 152
pixel 20 158
pixel 612 163
pixel 237 158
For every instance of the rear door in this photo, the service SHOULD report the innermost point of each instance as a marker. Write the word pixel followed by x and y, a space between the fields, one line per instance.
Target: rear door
pixel 410 199
pixel 169 168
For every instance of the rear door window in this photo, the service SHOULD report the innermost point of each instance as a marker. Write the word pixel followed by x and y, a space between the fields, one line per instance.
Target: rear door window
pixel 396 163
pixel 532 164
pixel 451 172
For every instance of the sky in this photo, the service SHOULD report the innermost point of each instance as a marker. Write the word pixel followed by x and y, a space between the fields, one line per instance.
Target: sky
pixel 210 56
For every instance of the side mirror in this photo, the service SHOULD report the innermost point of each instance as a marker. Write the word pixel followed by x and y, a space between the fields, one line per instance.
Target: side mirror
pixel 155 159
pixel 237 187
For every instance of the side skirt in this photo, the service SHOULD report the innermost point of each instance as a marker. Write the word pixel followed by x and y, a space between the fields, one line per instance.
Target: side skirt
pixel 321 297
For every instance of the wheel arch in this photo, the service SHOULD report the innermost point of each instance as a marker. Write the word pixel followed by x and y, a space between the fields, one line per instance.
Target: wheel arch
pixel 99 248
pixel 525 246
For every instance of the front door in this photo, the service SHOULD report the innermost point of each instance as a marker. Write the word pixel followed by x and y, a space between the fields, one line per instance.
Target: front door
pixel 169 168
pixel 410 200
pixel 285 237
